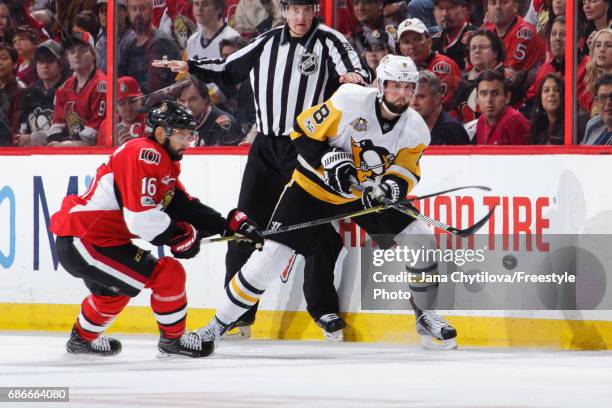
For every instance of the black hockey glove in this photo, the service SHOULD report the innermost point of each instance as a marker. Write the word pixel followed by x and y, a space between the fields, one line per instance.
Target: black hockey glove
pixel 339 171
pixel 374 194
pixel 238 222
pixel 185 245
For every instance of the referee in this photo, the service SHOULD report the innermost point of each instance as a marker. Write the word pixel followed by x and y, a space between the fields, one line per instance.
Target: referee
pixel 290 68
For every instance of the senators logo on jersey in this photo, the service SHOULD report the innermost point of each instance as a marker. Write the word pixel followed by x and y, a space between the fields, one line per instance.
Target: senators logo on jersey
pixel 370 160
pixel 525 33
pixel 74 122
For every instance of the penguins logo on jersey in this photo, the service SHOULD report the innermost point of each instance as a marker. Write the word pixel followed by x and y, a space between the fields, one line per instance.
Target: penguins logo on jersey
pixel 371 161
pixel 40 119
pixel 308 63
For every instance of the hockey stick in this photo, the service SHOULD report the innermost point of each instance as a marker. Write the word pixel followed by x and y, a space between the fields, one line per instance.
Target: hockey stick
pixel 428 220
pixel 341 217
pixel 307 224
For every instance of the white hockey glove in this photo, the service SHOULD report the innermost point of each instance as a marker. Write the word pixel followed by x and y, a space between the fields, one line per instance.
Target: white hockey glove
pixel 339 171
pixel 374 193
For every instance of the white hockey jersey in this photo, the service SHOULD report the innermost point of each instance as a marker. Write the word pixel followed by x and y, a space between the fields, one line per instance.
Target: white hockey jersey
pixel 351 120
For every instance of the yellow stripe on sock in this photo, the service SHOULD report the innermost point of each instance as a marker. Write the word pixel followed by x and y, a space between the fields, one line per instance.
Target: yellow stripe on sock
pixel 240 293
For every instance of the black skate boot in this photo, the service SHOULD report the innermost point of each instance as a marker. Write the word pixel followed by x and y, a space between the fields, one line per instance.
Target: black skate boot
pixel 188 345
pixel 332 326
pixel 102 346
pixel 435 332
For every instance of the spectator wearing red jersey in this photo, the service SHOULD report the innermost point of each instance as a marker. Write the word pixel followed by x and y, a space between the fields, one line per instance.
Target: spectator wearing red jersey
pixel 25 41
pixel 499 124
pixel 416 43
pixel 556 63
pixel 452 18
pixel 80 103
pixel 523 45
pixel 11 92
pixel 131 116
pixel 178 20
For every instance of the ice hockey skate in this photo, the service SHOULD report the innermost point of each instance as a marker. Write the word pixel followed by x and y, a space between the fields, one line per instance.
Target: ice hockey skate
pixel 241 330
pixel 102 346
pixel 435 332
pixel 188 345
pixel 332 326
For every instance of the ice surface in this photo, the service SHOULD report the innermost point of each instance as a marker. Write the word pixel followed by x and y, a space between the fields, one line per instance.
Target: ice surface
pixel 307 374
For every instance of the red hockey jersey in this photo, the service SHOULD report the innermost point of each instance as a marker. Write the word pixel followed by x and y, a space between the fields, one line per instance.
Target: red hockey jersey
pixel 81 113
pixel 523 45
pixel 126 199
pixel 449 74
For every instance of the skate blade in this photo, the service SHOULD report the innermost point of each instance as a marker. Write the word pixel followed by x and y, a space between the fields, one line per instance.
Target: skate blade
pixel 334 337
pixel 162 355
pixel 238 334
pixel 431 343
pixel 89 356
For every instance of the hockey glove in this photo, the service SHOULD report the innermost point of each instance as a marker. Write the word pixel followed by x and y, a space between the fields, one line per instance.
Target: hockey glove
pixel 185 245
pixel 238 222
pixel 339 171
pixel 374 194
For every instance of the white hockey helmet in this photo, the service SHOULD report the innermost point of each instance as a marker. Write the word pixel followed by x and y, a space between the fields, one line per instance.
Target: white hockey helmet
pixel 395 68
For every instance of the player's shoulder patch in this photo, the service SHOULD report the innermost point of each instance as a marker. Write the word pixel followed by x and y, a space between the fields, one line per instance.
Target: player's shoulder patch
pixel 224 122
pixel 360 124
pixel 149 156
pixel 101 87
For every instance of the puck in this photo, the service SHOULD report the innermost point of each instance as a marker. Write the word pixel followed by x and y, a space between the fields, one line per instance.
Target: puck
pixel 509 262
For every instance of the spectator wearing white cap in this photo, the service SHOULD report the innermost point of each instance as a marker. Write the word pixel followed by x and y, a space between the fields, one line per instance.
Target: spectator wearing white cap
pixel 416 43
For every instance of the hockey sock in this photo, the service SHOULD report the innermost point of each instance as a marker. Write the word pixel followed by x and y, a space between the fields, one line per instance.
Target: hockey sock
pixel 247 286
pixel 168 297
pixel 97 313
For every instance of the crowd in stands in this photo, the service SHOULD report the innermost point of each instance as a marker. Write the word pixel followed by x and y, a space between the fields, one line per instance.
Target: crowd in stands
pixel 491 71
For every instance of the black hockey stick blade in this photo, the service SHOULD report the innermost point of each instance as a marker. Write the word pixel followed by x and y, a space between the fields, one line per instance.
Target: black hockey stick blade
pixel 468 232
pixel 450 190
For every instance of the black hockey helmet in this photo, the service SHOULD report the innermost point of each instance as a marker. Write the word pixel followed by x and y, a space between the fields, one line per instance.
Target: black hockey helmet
pixel 170 115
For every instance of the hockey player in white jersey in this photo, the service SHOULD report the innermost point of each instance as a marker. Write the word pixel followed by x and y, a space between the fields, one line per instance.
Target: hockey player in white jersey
pixel 364 136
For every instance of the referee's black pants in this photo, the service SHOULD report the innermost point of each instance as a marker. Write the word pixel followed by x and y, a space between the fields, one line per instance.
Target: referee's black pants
pixel 269 167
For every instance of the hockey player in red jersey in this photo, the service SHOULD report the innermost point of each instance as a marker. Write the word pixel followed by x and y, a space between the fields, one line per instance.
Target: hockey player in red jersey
pixel 137 194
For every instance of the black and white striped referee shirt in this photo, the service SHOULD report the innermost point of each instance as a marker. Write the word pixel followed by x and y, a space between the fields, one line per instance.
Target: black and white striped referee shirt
pixel 287 74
